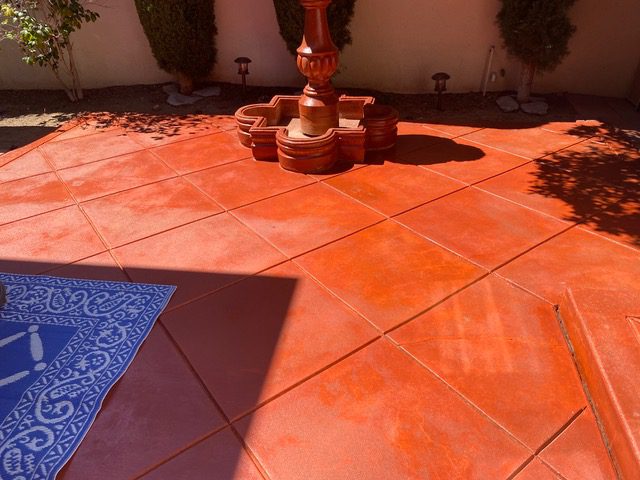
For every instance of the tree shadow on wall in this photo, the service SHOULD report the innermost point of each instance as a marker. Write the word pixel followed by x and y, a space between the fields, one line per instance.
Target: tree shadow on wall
pixel 600 181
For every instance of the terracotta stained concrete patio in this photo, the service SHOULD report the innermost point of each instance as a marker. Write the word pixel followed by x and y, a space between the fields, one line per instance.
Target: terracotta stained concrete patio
pixel 389 321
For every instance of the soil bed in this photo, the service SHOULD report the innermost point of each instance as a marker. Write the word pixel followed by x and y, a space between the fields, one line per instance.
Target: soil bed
pixel 26 115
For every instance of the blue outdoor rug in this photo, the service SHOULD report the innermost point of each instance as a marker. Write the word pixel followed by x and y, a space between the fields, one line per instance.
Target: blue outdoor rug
pixel 63 344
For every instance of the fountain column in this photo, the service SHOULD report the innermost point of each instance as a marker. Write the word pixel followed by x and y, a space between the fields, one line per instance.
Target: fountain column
pixel 318 61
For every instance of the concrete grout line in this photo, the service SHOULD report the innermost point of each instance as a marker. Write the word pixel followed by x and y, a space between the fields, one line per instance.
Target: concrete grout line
pixel 149 469
pixel 560 431
pixel 533 247
pixel 28 217
pixel 552 468
pixel 521 467
pixel 436 304
pixel 466 400
pixel 546 154
pixel 471 184
pixel 124 190
pixel 304 380
pixel 77 204
pixel 229 210
pixel 587 391
pixel 305 252
pixel 128 131
pixel 210 293
pixel 583 228
pixel 435 242
pixel 193 370
pixel 337 297
pixel 250 453
pixel 523 288
pixel 26 176
pixel 478 186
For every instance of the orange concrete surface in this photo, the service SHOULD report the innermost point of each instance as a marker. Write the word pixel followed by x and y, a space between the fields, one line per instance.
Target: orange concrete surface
pixel 394 320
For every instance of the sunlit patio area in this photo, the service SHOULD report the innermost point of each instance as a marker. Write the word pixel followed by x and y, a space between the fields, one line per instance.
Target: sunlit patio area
pixel 464 306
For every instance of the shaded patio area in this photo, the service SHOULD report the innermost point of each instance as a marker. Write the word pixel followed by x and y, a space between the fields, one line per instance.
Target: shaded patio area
pixel 391 320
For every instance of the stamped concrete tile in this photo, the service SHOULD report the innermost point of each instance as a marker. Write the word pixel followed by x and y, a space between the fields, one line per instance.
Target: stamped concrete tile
pixel 156 409
pixel 388 273
pixel 31 196
pixel 307 218
pixel 575 258
pixel 479 226
pixel 503 350
pixel 81 150
pixel 158 130
pixel 199 258
pixel 114 175
pixel 378 414
pixel 579 452
pixel 546 188
pixel 27 165
pixel 220 456
pixel 532 142
pixel 247 181
pixel 134 214
pixel 451 128
pixel 537 470
pixel 203 152
pixel 394 188
pixel 413 136
pixel 40 243
pixel 251 341
pixel 466 161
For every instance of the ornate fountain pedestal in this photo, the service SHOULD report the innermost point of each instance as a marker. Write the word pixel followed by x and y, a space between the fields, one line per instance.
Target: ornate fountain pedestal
pixel 311 132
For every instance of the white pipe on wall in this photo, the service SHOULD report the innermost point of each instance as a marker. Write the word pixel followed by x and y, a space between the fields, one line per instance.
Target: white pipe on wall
pixel 488 70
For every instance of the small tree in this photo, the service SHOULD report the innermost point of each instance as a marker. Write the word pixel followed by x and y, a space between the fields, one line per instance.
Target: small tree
pixel 181 35
pixel 42 29
pixel 537 32
pixel 291 22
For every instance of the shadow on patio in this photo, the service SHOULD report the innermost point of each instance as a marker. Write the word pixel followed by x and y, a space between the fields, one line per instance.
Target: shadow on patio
pixel 600 181
pixel 203 366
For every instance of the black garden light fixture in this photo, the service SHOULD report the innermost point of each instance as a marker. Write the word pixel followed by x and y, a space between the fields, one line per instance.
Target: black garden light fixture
pixel 243 69
pixel 441 86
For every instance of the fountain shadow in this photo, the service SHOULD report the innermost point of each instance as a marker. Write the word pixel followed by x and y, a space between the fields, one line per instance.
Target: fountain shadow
pixel 416 149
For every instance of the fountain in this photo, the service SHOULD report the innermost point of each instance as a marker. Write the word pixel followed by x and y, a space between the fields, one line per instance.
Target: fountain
pixel 311 132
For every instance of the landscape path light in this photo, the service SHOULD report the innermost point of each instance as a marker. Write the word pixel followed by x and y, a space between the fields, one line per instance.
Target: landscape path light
pixel 441 86
pixel 243 69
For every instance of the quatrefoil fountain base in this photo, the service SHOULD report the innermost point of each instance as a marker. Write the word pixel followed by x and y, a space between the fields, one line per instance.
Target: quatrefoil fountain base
pixel 312 132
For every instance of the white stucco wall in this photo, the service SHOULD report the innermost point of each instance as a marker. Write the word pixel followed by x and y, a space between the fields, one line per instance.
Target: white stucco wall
pixel 112 51
pixel 397 46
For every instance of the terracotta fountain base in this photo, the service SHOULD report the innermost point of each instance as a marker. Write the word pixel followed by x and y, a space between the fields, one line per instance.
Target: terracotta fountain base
pixel 272 130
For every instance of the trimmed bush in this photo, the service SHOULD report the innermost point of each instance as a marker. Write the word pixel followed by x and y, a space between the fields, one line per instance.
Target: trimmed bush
pixel 181 34
pixel 536 32
pixel 291 21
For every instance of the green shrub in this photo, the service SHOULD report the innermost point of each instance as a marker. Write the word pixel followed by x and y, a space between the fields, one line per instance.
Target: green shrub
pixel 181 34
pixel 536 32
pixel 291 21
